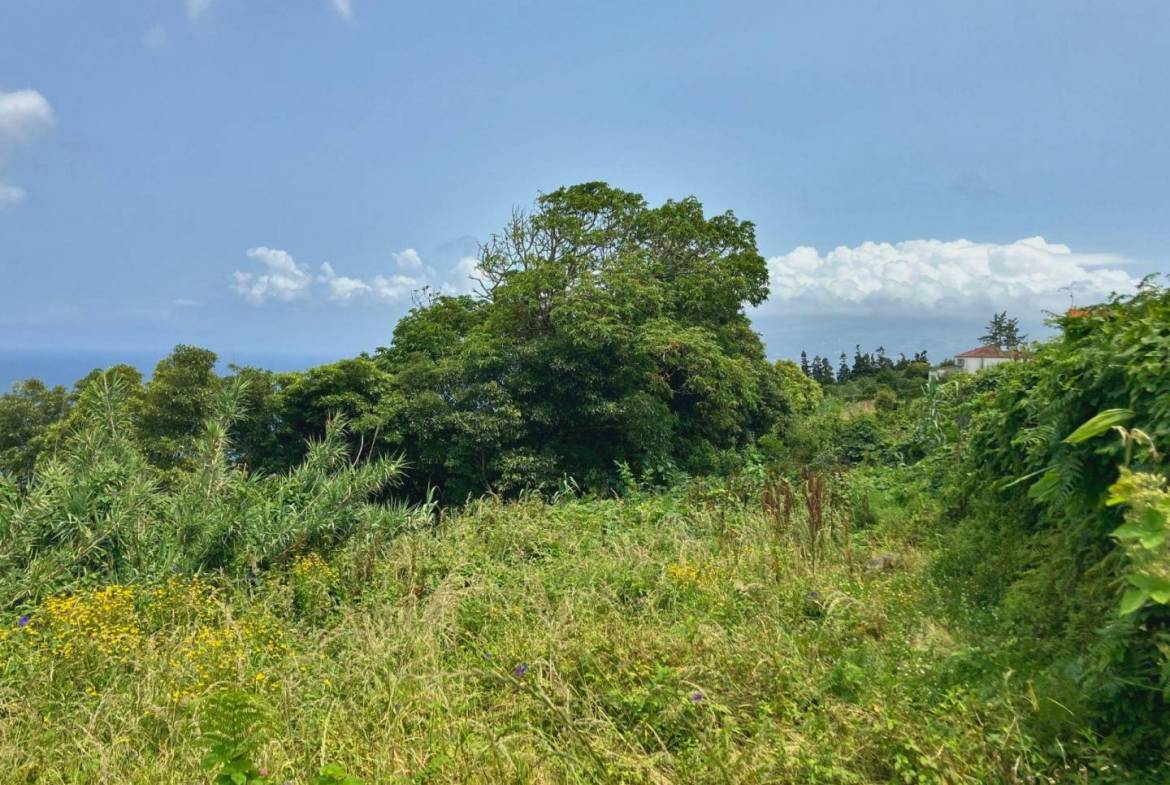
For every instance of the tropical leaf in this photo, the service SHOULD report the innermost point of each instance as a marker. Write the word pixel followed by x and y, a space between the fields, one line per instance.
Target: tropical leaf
pixel 1046 487
pixel 1099 424
pixel 1132 600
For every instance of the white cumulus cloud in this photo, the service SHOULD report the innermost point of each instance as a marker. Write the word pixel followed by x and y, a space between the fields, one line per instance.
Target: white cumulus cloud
pixel 23 113
pixel 344 8
pixel 941 276
pixel 392 288
pixel 408 259
pixel 342 288
pixel 283 278
pixel 386 288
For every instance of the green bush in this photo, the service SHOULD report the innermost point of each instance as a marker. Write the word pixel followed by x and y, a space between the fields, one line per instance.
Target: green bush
pixel 1032 532
pixel 886 400
pixel 859 438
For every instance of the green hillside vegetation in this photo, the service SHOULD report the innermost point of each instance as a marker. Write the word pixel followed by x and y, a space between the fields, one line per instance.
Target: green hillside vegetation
pixel 579 530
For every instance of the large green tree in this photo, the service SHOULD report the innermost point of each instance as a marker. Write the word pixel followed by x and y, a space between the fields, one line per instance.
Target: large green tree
pixel 606 330
pixel 283 412
pixel 27 413
pixel 177 401
pixel 1004 331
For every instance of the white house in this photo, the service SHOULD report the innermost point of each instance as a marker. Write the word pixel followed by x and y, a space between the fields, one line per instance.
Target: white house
pixel 984 357
pixel 975 360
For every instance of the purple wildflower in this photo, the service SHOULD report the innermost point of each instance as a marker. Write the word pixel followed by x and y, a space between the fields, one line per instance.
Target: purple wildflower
pixel 696 697
pixel 22 621
pixel 520 670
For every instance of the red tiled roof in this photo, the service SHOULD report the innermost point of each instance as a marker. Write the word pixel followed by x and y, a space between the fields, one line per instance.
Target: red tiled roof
pixel 988 351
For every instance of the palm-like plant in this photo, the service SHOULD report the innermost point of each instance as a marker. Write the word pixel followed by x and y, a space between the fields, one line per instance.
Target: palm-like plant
pixel 97 510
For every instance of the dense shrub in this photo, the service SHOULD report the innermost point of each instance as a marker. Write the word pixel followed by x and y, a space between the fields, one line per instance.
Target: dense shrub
pixel 858 438
pixel 1040 547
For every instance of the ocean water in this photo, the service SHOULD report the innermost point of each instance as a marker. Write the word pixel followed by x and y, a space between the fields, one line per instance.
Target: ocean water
pixel 65 367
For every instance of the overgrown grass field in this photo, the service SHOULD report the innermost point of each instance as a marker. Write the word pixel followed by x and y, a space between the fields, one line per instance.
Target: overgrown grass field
pixel 693 636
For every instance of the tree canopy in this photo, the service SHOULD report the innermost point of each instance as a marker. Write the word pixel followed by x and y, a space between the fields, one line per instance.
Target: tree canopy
pixel 1004 331
pixel 607 331
pixel 25 415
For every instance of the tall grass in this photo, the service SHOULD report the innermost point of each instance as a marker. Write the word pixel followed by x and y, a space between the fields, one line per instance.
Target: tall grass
pixel 644 640
pixel 97 510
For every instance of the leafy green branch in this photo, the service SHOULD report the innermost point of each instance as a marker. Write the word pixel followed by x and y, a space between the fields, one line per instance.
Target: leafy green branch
pixel 1146 530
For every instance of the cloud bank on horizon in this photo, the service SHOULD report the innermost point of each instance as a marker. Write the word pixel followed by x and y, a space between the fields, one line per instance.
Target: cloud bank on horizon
pixel 284 279
pixel 928 277
pixel 910 278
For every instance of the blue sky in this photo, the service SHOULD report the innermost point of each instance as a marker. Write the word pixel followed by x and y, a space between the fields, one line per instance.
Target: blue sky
pixel 180 170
